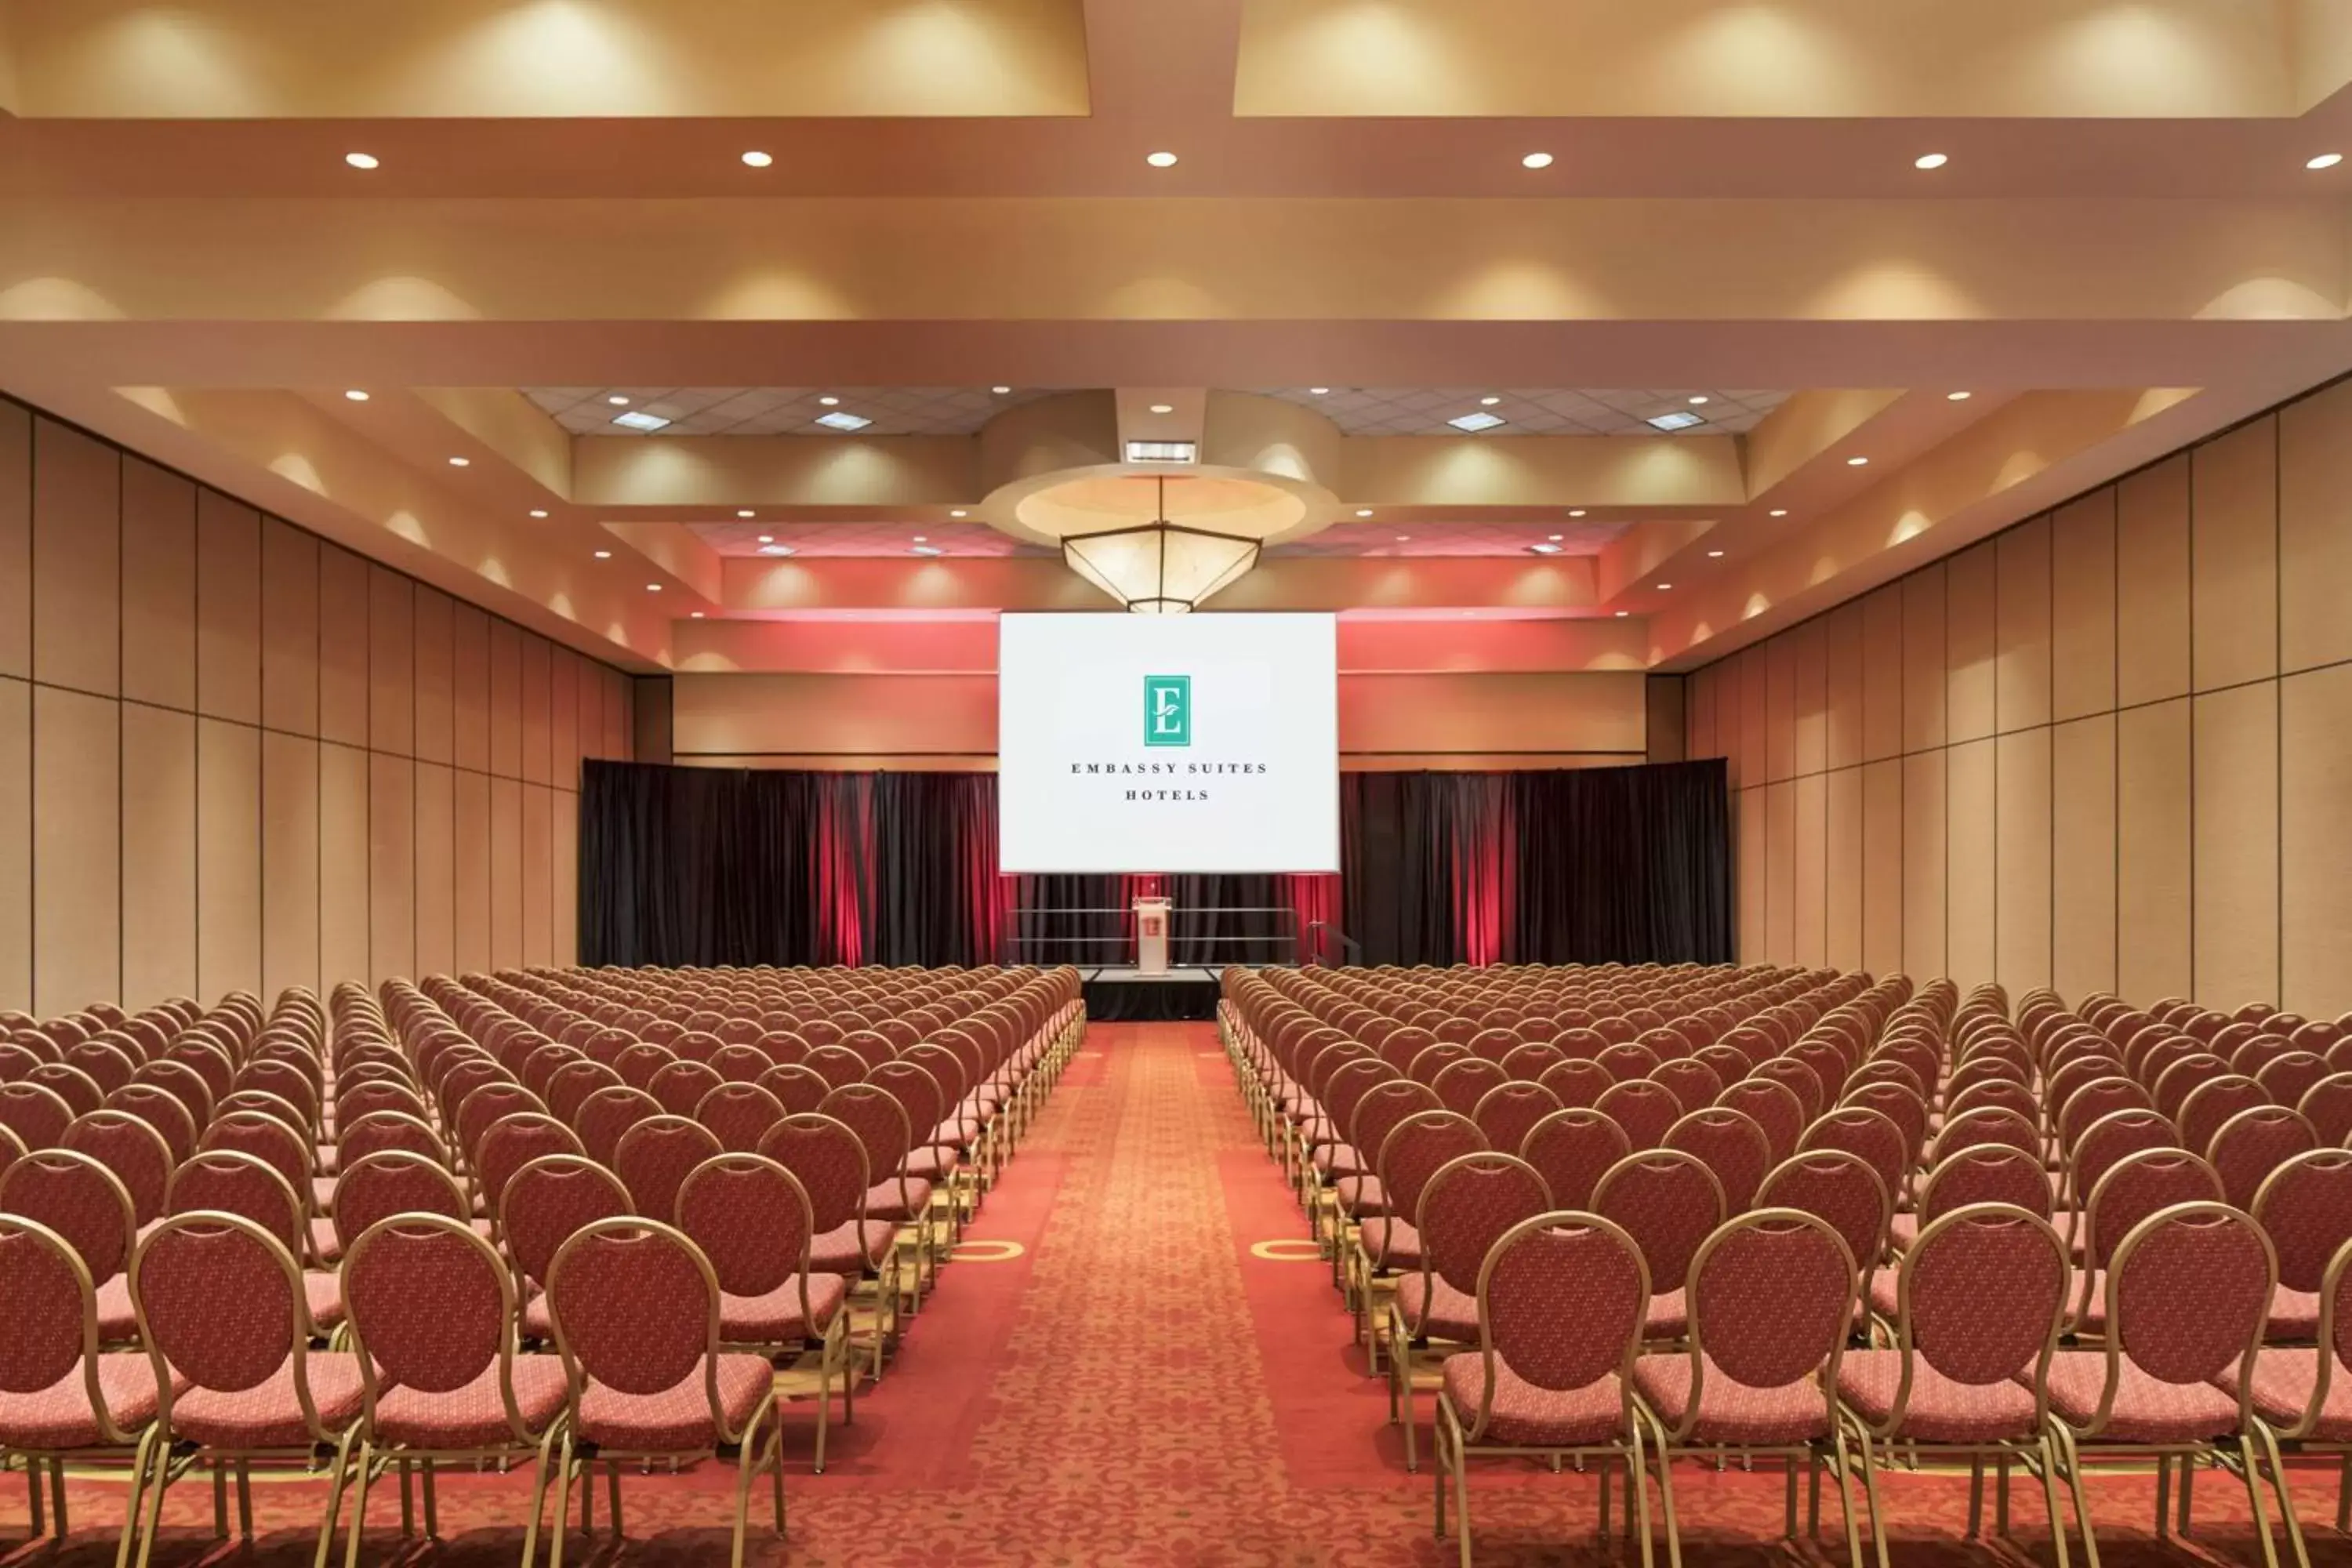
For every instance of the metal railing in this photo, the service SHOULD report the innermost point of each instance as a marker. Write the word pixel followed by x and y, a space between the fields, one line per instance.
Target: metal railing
pixel 1020 942
pixel 1350 949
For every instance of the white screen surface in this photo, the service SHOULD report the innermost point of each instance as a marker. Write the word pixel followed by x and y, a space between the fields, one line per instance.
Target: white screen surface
pixel 1202 742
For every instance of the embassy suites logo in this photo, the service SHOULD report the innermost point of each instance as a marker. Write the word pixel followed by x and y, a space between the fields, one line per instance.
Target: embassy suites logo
pixel 1166 722
pixel 1166 710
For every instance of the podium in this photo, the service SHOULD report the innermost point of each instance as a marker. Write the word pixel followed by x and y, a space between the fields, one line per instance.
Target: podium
pixel 1151 936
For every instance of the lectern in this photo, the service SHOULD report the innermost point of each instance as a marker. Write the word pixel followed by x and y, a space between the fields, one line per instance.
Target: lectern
pixel 1151 936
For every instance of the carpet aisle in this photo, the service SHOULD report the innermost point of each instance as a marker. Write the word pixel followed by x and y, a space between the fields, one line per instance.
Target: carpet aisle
pixel 1136 1364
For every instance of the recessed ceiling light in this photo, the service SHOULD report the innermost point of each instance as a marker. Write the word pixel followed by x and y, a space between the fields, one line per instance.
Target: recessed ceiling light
pixel 361 159
pixel 1665 587
pixel 1163 408
pixel 767 539
pixel 1535 160
pixel 603 556
pixel 1545 548
pixel 1160 160
pixel 830 401
pixel 922 539
pixel 1957 397
pixel 2325 160
pixel 1488 401
pixel 745 511
pixel 695 615
pixel 638 419
pixel 1163 452
pixel 1779 511
pixel 1697 397
pixel 841 419
pixel 1576 512
pixel 1857 462
pixel 1677 419
pixel 925 549
pixel 775 549
pixel 1318 391
pixel 461 462
pixel 1002 391
pixel 617 401
pixel 356 396
pixel 1622 614
pixel 1930 161
pixel 757 159
pixel 1474 423
pixel 539 512
pixel 652 587
pixel 1715 555
pixel 1363 512
pixel 957 512
pixel 1402 538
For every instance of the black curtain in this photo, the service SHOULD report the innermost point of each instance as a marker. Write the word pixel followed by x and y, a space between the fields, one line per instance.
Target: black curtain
pixel 711 865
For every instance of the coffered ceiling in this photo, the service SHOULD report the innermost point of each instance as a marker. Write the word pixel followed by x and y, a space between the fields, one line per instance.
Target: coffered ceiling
pixel 1594 214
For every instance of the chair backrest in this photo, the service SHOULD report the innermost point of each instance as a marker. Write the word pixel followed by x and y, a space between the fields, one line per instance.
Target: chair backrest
pixel 1981 1299
pixel 799 1089
pixel 1416 1148
pixel 1531 1060
pixel 2135 1187
pixel 1771 1300
pixel 654 1158
pixel 2251 1144
pixel 1669 1202
pixel 1986 1173
pixel 513 1141
pixel 227 1180
pixel 1798 1080
pixel 1645 1109
pixel 81 1199
pixel 918 1094
pixel 1508 1111
pixel 680 1085
pixel 1468 1204
pixel 485 1104
pixel 390 1182
pixel 2305 1206
pixel 1731 1145
pixel 739 1114
pixel 1562 1298
pixel 50 1305
pixel 1692 1083
pixel 607 1114
pixel 568 1087
pixel 1578 1081
pixel 131 1149
pixel 1380 1108
pixel 549 1199
pixel 2212 1104
pixel 1571 1149
pixel 219 1301
pixel 1464 1083
pixel 635 1307
pixel 431 1308
pixel 36 1113
pixel 1627 1062
pixel 1773 1106
pixel 1836 1186
pixel 880 1122
pixel 829 1161
pixel 752 1220
pixel 1870 1133
pixel 2188 1294
pixel 1989 1124
pixel 162 1110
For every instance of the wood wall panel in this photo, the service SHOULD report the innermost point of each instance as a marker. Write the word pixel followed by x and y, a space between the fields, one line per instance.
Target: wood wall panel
pixel 343 860
pixel 564 849
pixel 538 726
pixel 1971 832
pixel 591 714
pixel 2314 529
pixel 17 550
pixel 564 719
pixel 2023 865
pixel 620 714
pixel 229 609
pixel 538 877
pixel 1781 708
pixel 435 717
pixel 77 606
pixel 2082 856
pixel 232 810
pixel 1780 872
pixel 1924 673
pixel 2236 833
pixel 159 854
pixel 2082 606
pixel 342 647
pixel 289 861
pixel 77 848
pixel 159 586
pixel 392 867
pixel 1923 865
pixel 1812 699
pixel 437 871
pixel 1811 937
pixel 1971 609
pixel 1842 693
pixel 2233 556
pixel 1882 673
pixel 289 630
pixel 1748 849
pixel 16 833
pixel 391 663
pixel 506 872
pixel 470 829
pixel 1882 867
pixel 506 702
pixel 2022 613
pixel 2316 841
pixel 2152 584
pixel 469 666
pixel 1755 725
pixel 2152 852
pixel 1841 869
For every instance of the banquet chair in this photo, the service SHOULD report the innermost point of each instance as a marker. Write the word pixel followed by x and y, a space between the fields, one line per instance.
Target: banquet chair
pixel 1414 1150
pixel 1669 1203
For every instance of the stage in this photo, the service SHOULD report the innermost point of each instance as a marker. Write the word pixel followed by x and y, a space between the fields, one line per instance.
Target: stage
pixel 1124 994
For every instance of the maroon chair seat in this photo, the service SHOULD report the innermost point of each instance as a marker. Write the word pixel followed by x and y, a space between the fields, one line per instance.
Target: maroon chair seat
pixel 842 1250
pixel 1392 1242
pixel 2146 1409
pixel 777 1317
pixel 933 1163
pixel 679 1416
pixel 59 1418
pixel 1528 1413
pixel 269 1414
pixel 2294 1315
pixel 1361 1196
pixel 1941 1409
pixel 885 1200
pixel 474 1414
pixel 1434 1310
pixel 1730 1412
pixel 2283 1381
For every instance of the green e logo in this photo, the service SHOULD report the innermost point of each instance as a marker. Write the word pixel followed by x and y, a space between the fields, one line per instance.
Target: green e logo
pixel 1166 710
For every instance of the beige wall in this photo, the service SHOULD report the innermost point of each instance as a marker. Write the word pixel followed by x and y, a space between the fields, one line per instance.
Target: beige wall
pixel 232 754
pixel 1510 719
pixel 2110 748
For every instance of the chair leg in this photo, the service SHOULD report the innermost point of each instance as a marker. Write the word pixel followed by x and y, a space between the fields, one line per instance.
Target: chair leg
pixel 539 1479
pixel 140 1458
pixel 432 1505
pixel 612 1482
pixel 359 1505
pixel 2188 1481
pixel 563 1504
pixel 1637 1492
pixel 2049 1468
pixel 244 1500
pixel 163 1481
pixel 58 1499
pixel 2163 1496
pixel 336 1482
pixel 2071 1457
pixel 1461 1463
pixel 1666 1487
pixel 1870 1495
pixel 1843 1469
pixel 2266 1441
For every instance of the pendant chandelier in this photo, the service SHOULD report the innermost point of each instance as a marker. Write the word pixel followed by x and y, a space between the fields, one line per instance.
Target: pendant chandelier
pixel 1160 568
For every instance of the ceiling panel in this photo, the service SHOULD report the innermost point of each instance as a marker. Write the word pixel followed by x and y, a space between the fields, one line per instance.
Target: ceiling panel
pixel 779 410
pixel 1528 411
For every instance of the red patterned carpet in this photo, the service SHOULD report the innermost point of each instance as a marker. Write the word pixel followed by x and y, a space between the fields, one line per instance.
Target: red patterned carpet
pixel 1113 1376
